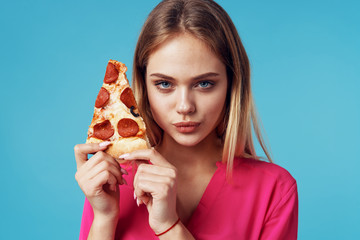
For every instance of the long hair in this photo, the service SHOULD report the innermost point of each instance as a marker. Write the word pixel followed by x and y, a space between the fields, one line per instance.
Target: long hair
pixel 207 21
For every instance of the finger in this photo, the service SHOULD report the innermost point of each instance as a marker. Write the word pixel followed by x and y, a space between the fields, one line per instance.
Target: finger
pixel 95 160
pixel 157 170
pixel 82 150
pixel 112 182
pixel 99 157
pixel 147 172
pixel 141 196
pixel 96 184
pixel 142 176
pixel 147 154
pixel 155 189
pixel 148 184
pixel 106 166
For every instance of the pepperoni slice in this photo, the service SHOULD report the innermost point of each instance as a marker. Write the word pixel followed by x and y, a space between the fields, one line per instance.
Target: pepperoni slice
pixel 102 98
pixel 127 98
pixel 103 130
pixel 111 74
pixel 127 127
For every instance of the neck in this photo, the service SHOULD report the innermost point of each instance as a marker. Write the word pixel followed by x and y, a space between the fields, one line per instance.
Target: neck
pixel 202 156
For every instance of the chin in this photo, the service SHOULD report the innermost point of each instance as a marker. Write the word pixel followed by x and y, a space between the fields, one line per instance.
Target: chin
pixel 188 141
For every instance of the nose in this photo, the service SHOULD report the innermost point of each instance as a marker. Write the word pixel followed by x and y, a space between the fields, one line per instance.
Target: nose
pixel 185 103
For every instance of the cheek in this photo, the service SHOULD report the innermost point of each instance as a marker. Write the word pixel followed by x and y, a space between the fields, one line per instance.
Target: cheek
pixel 214 104
pixel 213 111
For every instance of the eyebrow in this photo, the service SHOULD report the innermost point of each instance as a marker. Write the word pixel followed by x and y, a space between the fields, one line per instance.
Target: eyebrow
pixel 201 76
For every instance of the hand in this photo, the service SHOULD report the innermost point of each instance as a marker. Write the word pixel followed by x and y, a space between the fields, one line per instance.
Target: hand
pixel 155 186
pixel 99 177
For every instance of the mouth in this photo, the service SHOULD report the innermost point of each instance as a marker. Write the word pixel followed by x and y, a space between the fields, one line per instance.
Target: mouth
pixel 186 127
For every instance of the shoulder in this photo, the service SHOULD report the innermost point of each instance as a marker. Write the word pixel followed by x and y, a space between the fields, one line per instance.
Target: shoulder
pixel 266 169
pixel 264 175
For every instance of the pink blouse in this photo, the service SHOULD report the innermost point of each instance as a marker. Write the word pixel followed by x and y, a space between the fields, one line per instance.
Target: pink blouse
pixel 260 202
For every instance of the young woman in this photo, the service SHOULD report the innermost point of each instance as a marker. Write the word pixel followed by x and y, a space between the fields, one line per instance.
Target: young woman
pixel 202 179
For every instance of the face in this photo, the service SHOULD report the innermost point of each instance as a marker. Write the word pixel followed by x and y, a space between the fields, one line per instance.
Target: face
pixel 186 85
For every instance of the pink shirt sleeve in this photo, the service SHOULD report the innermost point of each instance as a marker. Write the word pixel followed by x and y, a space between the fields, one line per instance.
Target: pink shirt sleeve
pixel 86 221
pixel 282 222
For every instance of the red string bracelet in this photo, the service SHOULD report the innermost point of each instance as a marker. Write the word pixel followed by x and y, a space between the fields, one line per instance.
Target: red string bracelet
pixel 177 221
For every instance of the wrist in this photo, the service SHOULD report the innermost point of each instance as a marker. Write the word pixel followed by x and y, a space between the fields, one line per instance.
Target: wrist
pixel 106 219
pixel 168 229
pixel 107 216
pixel 103 227
pixel 179 231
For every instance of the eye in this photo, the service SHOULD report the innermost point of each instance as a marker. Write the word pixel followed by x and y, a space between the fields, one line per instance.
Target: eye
pixel 205 84
pixel 163 84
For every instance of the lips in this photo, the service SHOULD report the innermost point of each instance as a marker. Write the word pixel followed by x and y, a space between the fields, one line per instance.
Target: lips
pixel 186 127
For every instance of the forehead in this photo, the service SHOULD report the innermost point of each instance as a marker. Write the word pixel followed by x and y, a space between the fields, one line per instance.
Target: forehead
pixel 185 55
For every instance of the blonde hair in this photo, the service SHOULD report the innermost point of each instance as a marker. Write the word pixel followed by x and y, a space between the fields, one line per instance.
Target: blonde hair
pixel 209 22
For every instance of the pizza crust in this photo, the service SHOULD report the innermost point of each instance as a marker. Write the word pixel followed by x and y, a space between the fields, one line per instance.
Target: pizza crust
pixel 126 145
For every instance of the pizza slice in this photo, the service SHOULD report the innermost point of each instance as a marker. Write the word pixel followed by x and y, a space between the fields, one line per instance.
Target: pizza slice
pixel 116 117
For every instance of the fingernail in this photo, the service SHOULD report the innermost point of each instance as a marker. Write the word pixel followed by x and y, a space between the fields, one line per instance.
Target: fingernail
pixel 138 202
pixel 124 156
pixel 134 196
pixel 123 171
pixel 104 144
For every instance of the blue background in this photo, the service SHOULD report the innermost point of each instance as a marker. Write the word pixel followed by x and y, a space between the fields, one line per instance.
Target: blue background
pixel 305 69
